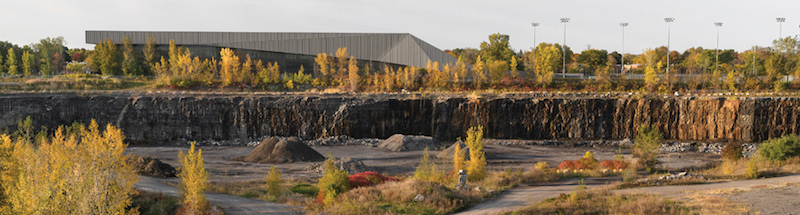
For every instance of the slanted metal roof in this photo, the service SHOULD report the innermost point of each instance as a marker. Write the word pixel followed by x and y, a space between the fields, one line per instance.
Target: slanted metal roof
pixel 402 48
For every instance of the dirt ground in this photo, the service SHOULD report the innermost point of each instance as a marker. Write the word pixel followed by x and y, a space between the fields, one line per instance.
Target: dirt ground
pixel 218 159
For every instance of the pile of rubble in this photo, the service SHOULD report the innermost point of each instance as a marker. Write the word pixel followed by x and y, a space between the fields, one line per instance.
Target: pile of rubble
pixel 667 178
pixel 352 166
pixel 748 149
pixel 342 141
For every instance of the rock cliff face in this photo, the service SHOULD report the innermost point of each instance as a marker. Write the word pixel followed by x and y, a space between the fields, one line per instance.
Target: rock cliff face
pixel 168 118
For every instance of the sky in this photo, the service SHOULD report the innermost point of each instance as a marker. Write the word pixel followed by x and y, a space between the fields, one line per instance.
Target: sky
pixel 446 24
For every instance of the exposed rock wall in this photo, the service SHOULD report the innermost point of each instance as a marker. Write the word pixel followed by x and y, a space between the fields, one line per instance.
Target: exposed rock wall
pixel 169 118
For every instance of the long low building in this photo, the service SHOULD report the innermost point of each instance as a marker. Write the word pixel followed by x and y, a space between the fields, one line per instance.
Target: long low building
pixel 291 50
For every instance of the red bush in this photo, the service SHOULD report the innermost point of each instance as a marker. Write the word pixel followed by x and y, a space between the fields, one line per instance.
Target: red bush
pixel 613 164
pixel 572 165
pixel 368 178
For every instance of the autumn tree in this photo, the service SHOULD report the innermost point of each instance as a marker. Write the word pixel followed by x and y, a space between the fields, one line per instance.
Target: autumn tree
pixel 497 71
pixel 228 66
pixel 353 73
pixel 11 62
pixel 106 58
pixel 27 63
pixel 548 59
pixel 84 171
pixel 650 78
pixel 51 54
pixel 479 73
pixel 323 64
pixel 458 157
pixel 477 160
pixel 194 181
pixel 341 74
pixel 514 65
pixel 273 180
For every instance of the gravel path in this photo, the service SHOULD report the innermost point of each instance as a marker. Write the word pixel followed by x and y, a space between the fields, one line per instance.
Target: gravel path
pixel 781 200
pixel 233 205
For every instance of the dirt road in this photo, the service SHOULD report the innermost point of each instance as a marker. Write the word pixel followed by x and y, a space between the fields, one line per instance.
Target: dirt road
pixel 525 195
pixel 233 205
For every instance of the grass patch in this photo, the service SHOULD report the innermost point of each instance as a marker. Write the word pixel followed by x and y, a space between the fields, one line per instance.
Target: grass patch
pixel 155 203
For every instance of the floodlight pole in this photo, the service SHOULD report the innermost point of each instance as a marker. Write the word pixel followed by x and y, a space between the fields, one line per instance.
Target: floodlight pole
pixel 622 57
pixel 535 46
pixel 564 49
pixel 718 24
pixel 668 20
pixel 780 29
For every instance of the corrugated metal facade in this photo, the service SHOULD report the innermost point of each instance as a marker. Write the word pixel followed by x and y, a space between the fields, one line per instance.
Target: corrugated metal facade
pixel 402 49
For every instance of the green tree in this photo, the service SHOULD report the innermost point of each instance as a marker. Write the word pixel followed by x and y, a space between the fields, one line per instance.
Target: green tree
pixel 11 62
pixel 194 180
pixel 27 63
pixel 592 59
pixel 775 67
pixel 788 45
pixel 51 54
pixel 334 182
pixel 646 147
pixel 427 169
pixel 497 49
pixel 131 65
pixel 149 52
pixel 106 58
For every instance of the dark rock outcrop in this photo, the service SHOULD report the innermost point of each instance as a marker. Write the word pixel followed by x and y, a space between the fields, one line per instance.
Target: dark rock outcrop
pixel 170 118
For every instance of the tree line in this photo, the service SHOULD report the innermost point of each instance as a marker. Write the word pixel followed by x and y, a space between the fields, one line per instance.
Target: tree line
pixel 493 65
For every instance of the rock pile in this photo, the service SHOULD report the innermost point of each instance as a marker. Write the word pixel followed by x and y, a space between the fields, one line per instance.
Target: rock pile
pixel 342 141
pixel 149 166
pixel 401 143
pixel 451 150
pixel 748 149
pixel 272 150
pixel 352 166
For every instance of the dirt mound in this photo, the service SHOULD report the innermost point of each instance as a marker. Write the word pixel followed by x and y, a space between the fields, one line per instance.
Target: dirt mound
pixel 450 150
pixel 149 166
pixel 342 141
pixel 401 143
pixel 271 150
pixel 350 165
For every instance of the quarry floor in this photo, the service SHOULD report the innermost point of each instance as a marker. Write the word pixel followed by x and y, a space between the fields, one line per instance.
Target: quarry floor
pixel 218 159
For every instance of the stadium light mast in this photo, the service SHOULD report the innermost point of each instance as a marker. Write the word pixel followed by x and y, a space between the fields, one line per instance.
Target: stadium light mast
pixel 622 57
pixel 718 24
pixel 564 49
pixel 534 24
pixel 780 29
pixel 669 21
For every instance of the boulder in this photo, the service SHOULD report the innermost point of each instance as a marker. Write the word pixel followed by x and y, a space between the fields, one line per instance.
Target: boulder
pixel 401 143
pixel 288 150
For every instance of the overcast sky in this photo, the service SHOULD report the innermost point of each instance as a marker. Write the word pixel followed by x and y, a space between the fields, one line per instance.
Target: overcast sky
pixel 446 24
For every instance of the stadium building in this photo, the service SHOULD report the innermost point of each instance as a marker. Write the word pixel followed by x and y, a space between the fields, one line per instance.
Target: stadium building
pixel 291 50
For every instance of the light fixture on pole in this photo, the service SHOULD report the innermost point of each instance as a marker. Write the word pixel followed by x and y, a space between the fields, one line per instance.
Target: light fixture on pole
pixel 534 24
pixel 564 49
pixel 622 57
pixel 668 20
pixel 780 29
pixel 718 24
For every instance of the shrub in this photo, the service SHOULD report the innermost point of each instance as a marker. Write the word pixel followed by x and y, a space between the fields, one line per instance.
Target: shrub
pixel 334 182
pixel 732 151
pixel 751 171
pixel 588 160
pixel 613 164
pixel 368 178
pixel 154 203
pixel 273 179
pixel 427 169
pixel 542 166
pixel 781 148
pixel 646 147
pixel 305 189
pixel 629 175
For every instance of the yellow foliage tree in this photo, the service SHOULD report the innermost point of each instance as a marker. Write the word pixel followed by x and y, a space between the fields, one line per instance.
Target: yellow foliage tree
pixel 427 169
pixel 194 180
pixel 323 64
pixel 477 160
pixel 342 63
pixel 334 182
pixel 458 158
pixel 85 172
pixel 229 66
pixel 479 73
pixel 273 179
pixel 353 73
